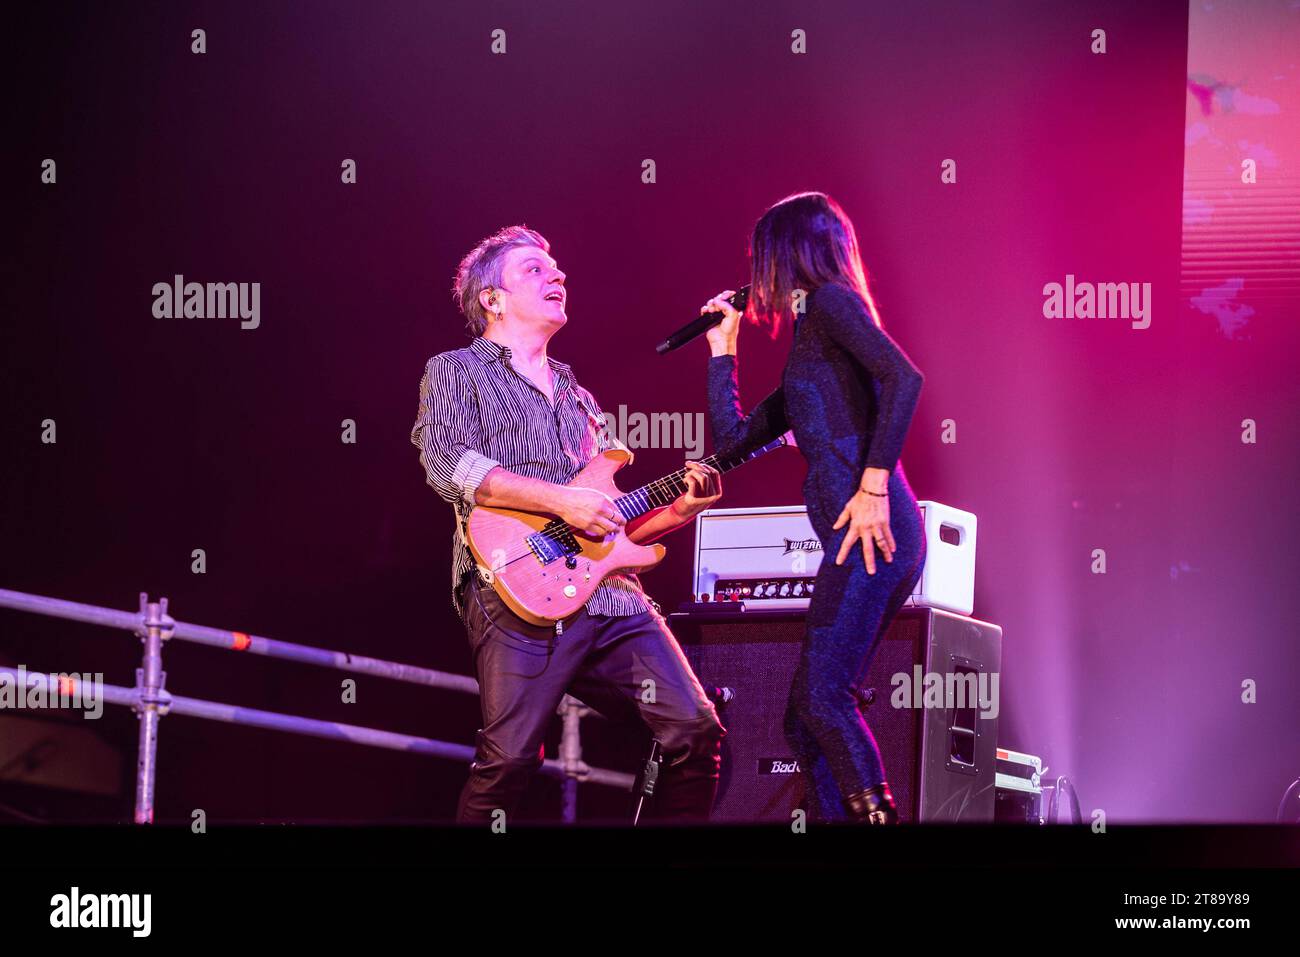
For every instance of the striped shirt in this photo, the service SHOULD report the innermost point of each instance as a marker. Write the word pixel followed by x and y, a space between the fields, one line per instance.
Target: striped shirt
pixel 476 412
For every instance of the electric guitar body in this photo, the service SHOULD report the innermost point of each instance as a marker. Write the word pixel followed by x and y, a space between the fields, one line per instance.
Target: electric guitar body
pixel 544 570
pixel 542 591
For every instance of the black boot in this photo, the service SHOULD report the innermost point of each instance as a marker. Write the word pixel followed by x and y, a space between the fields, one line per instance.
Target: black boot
pixel 686 792
pixel 873 806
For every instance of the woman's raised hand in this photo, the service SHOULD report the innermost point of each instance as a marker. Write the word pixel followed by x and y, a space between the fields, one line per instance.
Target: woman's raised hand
pixel 722 337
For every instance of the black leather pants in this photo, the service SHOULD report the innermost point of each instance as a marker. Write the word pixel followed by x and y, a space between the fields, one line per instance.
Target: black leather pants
pixel 524 671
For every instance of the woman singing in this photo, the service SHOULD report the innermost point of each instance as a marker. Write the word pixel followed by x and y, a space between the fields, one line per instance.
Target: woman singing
pixel 848 393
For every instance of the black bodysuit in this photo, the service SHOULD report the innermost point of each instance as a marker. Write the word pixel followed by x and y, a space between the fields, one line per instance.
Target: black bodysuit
pixel 848 393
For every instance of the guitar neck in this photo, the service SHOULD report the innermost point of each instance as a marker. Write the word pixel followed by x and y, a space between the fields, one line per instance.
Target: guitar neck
pixel 663 491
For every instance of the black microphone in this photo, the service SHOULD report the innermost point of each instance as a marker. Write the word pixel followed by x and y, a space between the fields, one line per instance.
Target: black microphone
pixel 698 327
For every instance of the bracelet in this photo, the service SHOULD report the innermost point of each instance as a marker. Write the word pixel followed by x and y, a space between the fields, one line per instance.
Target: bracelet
pixel 876 494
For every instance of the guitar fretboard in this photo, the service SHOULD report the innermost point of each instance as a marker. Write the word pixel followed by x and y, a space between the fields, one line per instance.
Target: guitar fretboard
pixel 555 539
pixel 663 491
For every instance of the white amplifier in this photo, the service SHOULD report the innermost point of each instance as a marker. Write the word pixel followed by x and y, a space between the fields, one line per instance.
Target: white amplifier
pixel 768 558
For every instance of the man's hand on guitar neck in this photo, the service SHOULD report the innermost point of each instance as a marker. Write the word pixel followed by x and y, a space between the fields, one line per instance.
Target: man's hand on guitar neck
pixel 703 488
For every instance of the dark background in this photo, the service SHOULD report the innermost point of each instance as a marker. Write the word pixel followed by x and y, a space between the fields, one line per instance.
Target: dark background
pixel 183 434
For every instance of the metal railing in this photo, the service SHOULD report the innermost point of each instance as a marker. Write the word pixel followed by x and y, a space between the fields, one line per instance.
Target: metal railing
pixel 152 701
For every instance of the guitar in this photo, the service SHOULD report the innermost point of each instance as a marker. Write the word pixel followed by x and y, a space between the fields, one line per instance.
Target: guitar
pixel 545 570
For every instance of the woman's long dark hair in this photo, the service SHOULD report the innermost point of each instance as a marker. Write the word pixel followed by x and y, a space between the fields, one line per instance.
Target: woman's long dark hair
pixel 802 243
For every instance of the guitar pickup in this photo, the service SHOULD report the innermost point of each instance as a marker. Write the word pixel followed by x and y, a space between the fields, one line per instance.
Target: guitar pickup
pixel 547 549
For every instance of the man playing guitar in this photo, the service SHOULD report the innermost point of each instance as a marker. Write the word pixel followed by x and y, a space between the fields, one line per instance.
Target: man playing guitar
pixel 502 425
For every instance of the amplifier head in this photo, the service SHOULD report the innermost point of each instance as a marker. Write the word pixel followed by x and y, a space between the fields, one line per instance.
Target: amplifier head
pixel 765 557
pixel 768 557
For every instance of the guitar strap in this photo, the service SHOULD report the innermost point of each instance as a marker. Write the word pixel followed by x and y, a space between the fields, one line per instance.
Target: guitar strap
pixel 597 423
pixel 601 426
pixel 462 523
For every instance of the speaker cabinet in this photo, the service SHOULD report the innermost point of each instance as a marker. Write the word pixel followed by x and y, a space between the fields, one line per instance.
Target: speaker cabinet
pixel 938 748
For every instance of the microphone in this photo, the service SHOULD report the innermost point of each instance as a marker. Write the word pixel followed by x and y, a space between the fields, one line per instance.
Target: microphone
pixel 698 327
